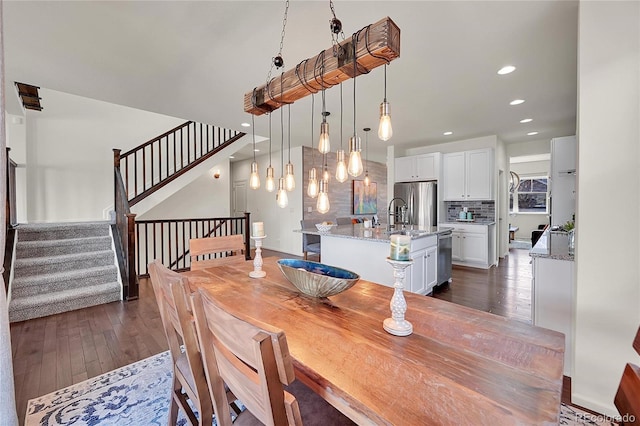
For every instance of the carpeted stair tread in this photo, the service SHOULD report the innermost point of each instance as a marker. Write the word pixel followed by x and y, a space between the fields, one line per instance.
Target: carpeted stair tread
pixel 61 267
pixel 58 231
pixel 24 308
pixel 60 263
pixel 42 248
pixel 57 281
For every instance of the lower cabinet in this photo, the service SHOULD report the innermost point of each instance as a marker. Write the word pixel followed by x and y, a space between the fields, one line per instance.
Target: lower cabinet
pixel 471 245
pixel 552 306
pixel 422 275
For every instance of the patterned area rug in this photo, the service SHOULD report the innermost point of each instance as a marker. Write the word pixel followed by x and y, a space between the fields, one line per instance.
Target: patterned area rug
pixel 136 394
pixel 139 394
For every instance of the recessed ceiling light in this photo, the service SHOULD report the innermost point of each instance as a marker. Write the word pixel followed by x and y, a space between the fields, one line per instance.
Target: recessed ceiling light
pixel 245 125
pixel 532 133
pixel 231 156
pixel 447 133
pixel 506 70
pixel 516 102
pixel 526 120
pixel 256 150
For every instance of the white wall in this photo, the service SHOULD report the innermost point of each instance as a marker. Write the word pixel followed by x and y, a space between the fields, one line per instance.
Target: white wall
pixel 205 197
pixel 16 129
pixel 520 149
pixel 455 146
pixel 69 153
pixel 278 223
pixel 608 180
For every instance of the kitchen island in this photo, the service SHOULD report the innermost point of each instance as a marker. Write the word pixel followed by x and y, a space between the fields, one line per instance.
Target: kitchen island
pixel 552 286
pixel 364 251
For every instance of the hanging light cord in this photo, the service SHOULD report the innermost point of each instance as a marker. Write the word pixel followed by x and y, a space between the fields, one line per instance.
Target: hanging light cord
pixel 313 154
pixel 253 126
pixel 269 140
pixel 340 115
pixel 289 135
pixel 385 82
pixel 282 133
pixel 355 71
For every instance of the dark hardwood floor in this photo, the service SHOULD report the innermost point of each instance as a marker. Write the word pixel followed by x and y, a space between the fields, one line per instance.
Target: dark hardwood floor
pixel 504 290
pixel 56 351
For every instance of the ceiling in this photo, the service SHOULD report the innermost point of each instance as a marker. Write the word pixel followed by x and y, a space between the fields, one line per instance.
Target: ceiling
pixel 195 60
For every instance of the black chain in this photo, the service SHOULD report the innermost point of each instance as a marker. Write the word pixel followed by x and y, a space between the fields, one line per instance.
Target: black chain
pixel 284 25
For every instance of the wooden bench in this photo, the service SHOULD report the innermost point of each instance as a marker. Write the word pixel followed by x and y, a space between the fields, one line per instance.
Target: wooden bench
pixel 512 232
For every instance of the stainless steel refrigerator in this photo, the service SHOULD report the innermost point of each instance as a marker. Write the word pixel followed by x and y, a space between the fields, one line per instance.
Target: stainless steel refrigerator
pixel 421 201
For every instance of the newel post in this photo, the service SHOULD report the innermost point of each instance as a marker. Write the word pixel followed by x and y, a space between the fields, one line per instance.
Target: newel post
pixel 247 233
pixel 116 165
pixel 132 292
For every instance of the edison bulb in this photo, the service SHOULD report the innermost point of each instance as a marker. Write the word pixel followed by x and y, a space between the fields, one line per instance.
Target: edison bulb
pixel 322 205
pixel 312 188
pixel 367 181
pixel 270 183
pixel 289 179
pixel 341 167
pixel 324 144
pixel 355 164
pixel 385 131
pixel 281 196
pixel 254 178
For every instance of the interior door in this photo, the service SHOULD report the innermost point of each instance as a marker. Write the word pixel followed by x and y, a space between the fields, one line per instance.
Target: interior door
pixel 239 197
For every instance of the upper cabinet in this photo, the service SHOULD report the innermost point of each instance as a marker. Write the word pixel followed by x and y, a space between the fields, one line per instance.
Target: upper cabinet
pixel 417 167
pixel 468 175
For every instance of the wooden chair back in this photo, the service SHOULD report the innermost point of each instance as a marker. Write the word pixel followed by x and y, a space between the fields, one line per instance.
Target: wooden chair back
pixel 203 247
pixel 627 398
pixel 251 358
pixel 172 290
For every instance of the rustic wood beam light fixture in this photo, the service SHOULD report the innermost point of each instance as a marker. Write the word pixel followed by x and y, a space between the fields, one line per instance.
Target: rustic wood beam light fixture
pixel 375 45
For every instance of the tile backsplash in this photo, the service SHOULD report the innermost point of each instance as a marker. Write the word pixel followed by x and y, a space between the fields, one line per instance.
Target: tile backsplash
pixel 482 210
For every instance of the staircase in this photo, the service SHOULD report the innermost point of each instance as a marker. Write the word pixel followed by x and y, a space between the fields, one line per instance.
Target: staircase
pixel 61 267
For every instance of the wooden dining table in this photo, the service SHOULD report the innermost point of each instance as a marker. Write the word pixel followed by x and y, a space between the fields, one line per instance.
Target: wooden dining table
pixel 460 366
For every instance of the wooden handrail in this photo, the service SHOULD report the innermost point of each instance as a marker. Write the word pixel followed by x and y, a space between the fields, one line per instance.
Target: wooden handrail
pixel 168 156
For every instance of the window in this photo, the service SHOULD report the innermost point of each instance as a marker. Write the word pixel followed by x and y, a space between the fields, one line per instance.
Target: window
pixel 531 196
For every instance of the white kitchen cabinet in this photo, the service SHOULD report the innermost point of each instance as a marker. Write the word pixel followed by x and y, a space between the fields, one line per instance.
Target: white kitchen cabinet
pixel 421 276
pixel 417 167
pixel 471 244
pixel 553 294
pixel 468 175
pixel 563 179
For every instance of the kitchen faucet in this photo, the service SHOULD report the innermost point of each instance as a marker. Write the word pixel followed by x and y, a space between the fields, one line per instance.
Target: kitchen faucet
pixel 393 214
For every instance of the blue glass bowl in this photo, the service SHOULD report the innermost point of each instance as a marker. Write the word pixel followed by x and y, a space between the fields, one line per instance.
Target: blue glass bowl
pixel 317 279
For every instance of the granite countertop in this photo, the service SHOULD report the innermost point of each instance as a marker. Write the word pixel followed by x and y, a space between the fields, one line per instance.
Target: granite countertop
pixel 358 231
pixel 474 222
pixel 552 245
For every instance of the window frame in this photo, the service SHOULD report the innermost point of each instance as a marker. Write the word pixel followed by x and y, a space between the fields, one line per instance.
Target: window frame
pixel 515 209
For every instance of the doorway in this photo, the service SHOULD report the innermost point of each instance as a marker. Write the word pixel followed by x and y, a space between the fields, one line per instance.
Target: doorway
pixel 239 201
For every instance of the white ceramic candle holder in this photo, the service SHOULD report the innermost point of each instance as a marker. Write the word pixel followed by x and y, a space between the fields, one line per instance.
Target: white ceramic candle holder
pixel 397 325
pixel 257 260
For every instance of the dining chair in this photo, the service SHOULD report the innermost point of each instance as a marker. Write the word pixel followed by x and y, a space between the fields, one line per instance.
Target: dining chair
pixel 205 248
pixel 626 399
pixel 253 359
pixel 310 243
pixel 189 381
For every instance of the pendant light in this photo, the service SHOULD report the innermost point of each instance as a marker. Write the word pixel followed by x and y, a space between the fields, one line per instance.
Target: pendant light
pixel 289 179
pixel 281 196
pixel 367 181
pixel 312 186
pixel 355 159
pixel 254 177
pixel 322 205
pixel 324 145
pixel 341 166
pixel 384 130
pixel 270 183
